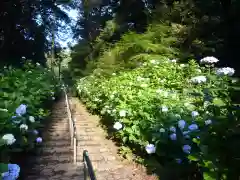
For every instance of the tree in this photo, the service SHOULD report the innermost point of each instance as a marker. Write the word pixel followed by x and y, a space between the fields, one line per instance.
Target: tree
pixel 24 28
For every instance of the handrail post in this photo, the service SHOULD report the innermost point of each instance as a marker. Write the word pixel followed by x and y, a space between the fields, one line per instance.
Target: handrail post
pixel 75 150
pixel 88 164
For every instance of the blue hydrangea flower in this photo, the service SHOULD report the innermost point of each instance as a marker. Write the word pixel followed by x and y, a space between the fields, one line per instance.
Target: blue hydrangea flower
pixel 193 127
pixel 39 140
pixel 35 132
pixel 186 132
pixel 186 149
pixel 181 124
pixel 21 110
pixel 13 172
pixel 173 137
pixel 179 161
pixel 172 129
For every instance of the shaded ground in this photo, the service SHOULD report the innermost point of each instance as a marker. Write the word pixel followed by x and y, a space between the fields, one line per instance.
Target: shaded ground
pixel 106 162
pixel 54 159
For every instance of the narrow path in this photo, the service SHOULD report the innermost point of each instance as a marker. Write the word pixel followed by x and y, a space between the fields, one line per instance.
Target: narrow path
pixel 55 158
pixel 102 152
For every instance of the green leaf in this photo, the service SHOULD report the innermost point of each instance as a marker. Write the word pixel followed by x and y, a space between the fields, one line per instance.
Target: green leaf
pixel 3 167
pixel 206 176
pixel 16 150
pixel 125 139
pixel 2 142
pixel 218 102
pixel 193 158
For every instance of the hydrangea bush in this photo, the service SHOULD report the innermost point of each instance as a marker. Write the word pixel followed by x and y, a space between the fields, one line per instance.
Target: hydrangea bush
pixel 180 114
pixel 23 97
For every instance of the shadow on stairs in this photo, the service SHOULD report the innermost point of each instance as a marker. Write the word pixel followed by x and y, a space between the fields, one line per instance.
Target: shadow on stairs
pixel 54 158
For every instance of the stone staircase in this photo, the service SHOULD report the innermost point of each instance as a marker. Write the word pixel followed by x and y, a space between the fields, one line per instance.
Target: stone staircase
pixel 102 152
pixel 54 161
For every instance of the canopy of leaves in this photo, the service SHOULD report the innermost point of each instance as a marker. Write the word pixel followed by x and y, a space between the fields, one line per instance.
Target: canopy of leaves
pixel 25 26
pixel 205 27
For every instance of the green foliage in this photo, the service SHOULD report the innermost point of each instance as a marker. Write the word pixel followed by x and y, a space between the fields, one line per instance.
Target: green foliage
pixel 34 87
pixel 150 100
pixel 159 40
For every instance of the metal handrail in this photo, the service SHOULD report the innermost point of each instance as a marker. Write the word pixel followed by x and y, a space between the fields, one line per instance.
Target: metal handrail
pixel 72 127
pixel 88 168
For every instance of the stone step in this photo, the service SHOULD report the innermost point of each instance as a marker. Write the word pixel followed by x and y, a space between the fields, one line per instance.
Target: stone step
pixel 58 133
pixel 60 125
pixel 57 143
pixel 99 150
pixel 57 172
pixel 89 144
pixel 96 133
pixel 56 151
pixel 88 138
pixel 103 165
pixel 97 157
pixel 53 129
pixel 57 138
pixel 51 160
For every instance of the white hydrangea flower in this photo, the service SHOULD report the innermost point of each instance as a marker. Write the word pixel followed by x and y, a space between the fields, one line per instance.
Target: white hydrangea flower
pixel 150 148
pixel 164 108
pixel 198 79
pixel 144 85
pixel 31 119
pixel 139 78
pixel 209 60
pixel 122 113
pixel 4 110
pixel 159 91
pixel 153 61
pixel 207 122
pixel 117 126
pixel 111 96
pixel 165 94
pixel 9 139
pixel 162 130
pixel 194 113
pixel 199 70
pixel 96 100
pixel 225 71
pixel 173 60
pixel 24 127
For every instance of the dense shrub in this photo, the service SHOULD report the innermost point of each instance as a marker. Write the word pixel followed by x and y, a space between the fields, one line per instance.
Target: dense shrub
pixel 181 114
pixel 24 97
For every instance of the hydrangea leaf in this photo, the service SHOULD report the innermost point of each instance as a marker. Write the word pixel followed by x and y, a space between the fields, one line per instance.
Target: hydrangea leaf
pixel 3 167
pixel 218 102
